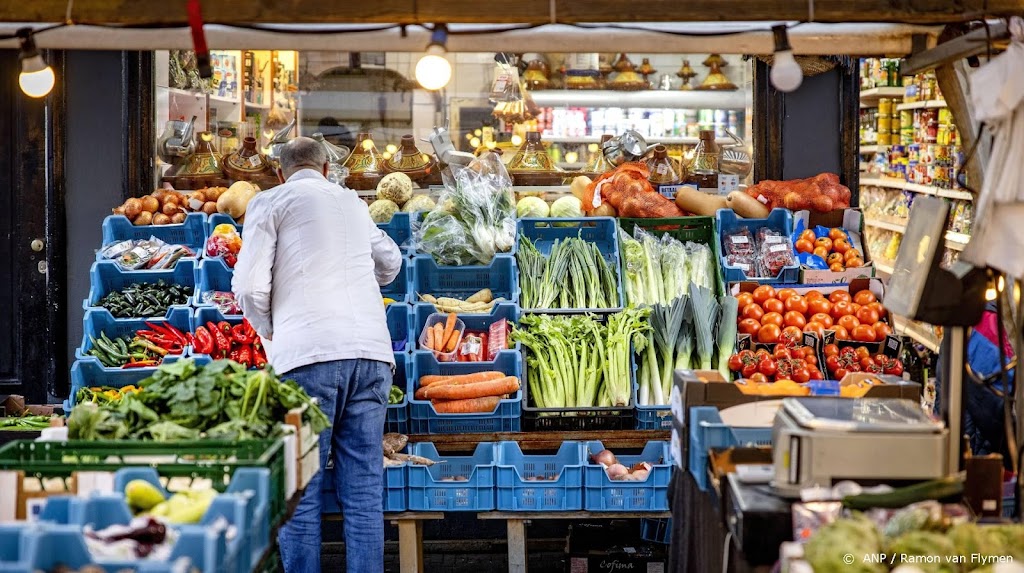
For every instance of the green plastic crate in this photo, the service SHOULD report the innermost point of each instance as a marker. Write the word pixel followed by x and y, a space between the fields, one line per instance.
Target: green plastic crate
pixel 200 459
pixel 694 229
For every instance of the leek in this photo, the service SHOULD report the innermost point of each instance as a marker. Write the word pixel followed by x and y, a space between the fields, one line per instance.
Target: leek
pixel 705 311
pixel 727 333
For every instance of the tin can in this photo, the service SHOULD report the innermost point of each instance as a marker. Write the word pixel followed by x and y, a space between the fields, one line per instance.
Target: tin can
pixel 896 125
pixel 922 174
pixel 911 173
pixel 941 176
pixel 884 138
pixel 906 134
pixel 884 106
pixel 926 157
pixel 884 123
pixel 914 152
pixel 942 155
pixel 897 151
pixel 945 116
pixel 899 171
pixel 907 118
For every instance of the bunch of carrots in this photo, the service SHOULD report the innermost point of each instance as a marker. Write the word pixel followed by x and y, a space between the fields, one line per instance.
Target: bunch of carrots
pixel 466 393
pixel 443 338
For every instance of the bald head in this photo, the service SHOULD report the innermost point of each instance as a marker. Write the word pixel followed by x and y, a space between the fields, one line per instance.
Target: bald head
pixel 302 153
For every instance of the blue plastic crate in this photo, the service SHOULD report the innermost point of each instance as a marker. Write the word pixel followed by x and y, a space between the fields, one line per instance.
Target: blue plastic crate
pixel 399 228
pixel 605 494
pixel 707 431
pixel 601 231
pixel 99 320
pixel 474 322
pixel 211 275
pixel 779 219
pixel 824 387
pixel 650 417
pixel 552 482
pixel 399 317
pixel 210 314
pixel 89 373
pixel 431 488
pixel 397 419
pixel 656 530
pixel 192 233
pixel 220 219
pixel 395 480
pixel 501 276
pixel 401 288
pixel 423 419
pixel 106 277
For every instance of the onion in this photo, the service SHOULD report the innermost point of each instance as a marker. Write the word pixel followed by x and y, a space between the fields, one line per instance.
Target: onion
pixel 640 466
pixel 161 219
pixel 617 471
pixel 132 208
pixel 209 208
pixel 604 457
pixel 640 475
pixel 150 204
pixel 178 218
pixel 604 210
pixel 169 208
pixel 144 218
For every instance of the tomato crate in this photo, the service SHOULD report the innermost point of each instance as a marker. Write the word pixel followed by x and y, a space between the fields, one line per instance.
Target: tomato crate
pixel 89 373
pixel 707 431
pixel 84 467
pixel 394 499
pixel 540 482
pixel 601 231
pixel 192 233
pixel 424 419
pixel 99 321
pixel 473 321
pixel 399 228
pixel 780 220
pixel 702 230
pixel 397 419
pixel 401 288
pixel 106 277
pixel 656 530
pixel 602 493
pixel 454 483
pixel 501 276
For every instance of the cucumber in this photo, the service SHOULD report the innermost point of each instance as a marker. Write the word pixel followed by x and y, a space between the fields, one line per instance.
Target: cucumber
pixel 904 496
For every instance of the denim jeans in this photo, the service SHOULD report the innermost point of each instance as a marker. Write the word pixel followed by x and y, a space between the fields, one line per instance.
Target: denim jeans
pixel 353 394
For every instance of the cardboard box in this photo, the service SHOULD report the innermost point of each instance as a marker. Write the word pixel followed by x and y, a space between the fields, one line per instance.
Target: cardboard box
pixel 853 221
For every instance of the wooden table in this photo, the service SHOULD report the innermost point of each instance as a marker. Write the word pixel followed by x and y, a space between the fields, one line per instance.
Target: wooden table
pixel 516 523
pixel 410 537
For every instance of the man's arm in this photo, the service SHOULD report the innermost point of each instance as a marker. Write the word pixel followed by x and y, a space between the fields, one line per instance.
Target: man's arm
pixel 253 276
pixel 387 257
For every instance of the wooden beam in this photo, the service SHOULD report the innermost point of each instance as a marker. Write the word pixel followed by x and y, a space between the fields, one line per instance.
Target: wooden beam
pixel 972 43
pixel 153 12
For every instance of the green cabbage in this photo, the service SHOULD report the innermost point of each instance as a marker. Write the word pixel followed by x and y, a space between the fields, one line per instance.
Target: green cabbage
pixel 532 207
pixel 567 207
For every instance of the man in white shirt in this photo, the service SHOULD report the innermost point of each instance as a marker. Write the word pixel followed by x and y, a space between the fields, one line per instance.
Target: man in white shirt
pixel 308 279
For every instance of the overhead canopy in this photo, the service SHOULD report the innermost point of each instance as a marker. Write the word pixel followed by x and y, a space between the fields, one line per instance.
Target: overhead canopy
pixel 648 38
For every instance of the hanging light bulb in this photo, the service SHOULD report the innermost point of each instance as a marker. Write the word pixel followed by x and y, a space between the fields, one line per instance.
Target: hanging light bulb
pixel 517 140
pixel 36 78
pixel 391 148
pixel 786 74
pixel 434 71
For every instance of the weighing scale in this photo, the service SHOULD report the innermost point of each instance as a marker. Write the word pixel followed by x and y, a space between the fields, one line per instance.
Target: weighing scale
pixel 824 440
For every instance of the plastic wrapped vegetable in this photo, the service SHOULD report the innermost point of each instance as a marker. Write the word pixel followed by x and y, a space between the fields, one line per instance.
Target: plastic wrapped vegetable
pixel 224 242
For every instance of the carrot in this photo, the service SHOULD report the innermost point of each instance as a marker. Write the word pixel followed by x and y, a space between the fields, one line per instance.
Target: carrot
pixel 486 404
pixel 506 385
pixel 430 338
pixel 462 378
pixel 438 337
pixel 452 342
pixel 449 328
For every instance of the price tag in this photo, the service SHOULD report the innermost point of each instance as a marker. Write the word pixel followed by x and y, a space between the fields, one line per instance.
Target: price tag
pixel 772 239
pixel 778 248
pixel 739 239
pixel 662 169
pixel 255 160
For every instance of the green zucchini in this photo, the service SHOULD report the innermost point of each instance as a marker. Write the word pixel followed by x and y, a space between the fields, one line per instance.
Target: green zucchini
pixel 904 496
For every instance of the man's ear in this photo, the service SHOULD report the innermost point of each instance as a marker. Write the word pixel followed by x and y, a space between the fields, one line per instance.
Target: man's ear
pixel 326 168
pixel 280 175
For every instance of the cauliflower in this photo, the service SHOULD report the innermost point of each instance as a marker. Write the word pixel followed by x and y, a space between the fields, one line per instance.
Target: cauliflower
pixel 419 203
pixel 381 210
pixel 532 207
pixel 396 187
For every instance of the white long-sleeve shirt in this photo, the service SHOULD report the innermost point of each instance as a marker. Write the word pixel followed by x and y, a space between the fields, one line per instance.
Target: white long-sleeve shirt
pixel 309 274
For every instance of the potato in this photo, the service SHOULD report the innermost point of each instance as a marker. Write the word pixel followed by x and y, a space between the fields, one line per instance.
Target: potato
pixel 178 218
pixel 132 208
pixel 210 207
pixel 144 218
pixel 169 208
pixel 150 204
pixel 161 219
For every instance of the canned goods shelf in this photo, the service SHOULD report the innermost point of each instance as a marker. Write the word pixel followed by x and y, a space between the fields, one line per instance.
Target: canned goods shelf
pixel 892 183
pixel 930 104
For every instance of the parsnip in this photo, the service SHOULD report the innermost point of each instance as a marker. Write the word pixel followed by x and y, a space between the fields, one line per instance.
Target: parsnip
pixel 484 295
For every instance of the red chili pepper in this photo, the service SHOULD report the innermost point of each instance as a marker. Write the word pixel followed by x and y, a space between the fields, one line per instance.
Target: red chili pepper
pixel 233 355
pixel 141 364
pixel 245 356
pixel 241 334
pixel 221 342
pixel 203 343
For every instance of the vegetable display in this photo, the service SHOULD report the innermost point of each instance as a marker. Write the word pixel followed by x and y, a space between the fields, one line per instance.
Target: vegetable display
pixel 26 423
pixel 578 362
pixel 475 217
pixel 798 364
pixel 146 348
pixel 482 301
pixel 618 472
pixel 165 206
pixel 186 506
pixel 183 401
pixel 841 362
pixel 771 316
pixel 141 300
pixel 239 343
pixel 764 255
pixel 657 270
pixel 574 275
pixel 821 193
pixel 151 253
pixel 627 188
pixel 835 250
pixel 477 392
pixel 442 336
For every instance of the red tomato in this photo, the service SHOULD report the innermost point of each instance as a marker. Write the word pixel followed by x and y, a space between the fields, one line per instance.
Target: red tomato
pixel 863 333
pixel 811 359
pixel 840 309
pixel 824 243
pixel 815 327
pixel 799 353
pixel 867 315
pixel 748 369
pixel 761 353
pixel 840 373
pixel 803 246
pixel 743 299
pixel 881 330
pixel 895 367
pixel 763 293
pixel 831 350
pixel 774 305
pixel 769 333
pixel 772 318
pixel 816 305
pixel 839 295
pixel 801 375
pixel 784 293
pixel 767 367
pixel 822 318
pixel 879 309
pixel 836 233
pixel 841 333
pixel 749 326
pixel 841 245
pixel 753 310
pixel 735 363
pixel 758 378
pixel 849 322
pixel 782 352
pixel 832 363
pixel 864 297
pixel 813 295
pixel 796 303
pixel 791 336
pixel 866 361
pixel 862 352
pixel 817 375
pixel 794 318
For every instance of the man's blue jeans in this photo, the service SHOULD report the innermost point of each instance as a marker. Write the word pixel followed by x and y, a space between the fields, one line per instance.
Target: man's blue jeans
pixel 354 395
